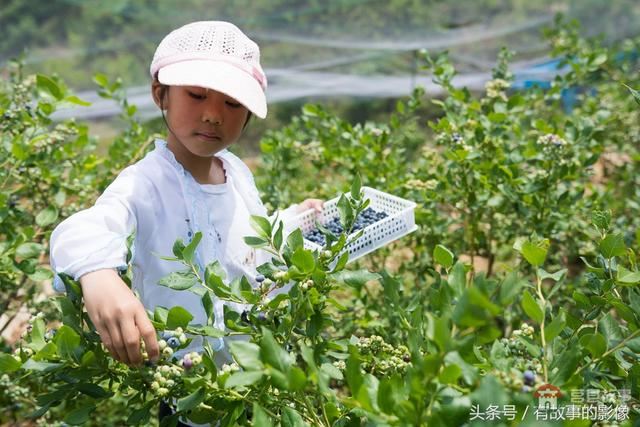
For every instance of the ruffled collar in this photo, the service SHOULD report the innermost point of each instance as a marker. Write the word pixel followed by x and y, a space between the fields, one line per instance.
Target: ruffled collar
pixel 163 150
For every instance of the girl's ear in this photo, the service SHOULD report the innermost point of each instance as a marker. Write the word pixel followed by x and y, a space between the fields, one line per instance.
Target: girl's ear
pixel 159 93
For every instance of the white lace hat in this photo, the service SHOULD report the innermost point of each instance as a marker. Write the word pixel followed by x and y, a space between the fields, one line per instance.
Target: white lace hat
pixel 215 55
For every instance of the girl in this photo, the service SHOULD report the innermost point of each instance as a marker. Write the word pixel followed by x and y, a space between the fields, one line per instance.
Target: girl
pixel 208 82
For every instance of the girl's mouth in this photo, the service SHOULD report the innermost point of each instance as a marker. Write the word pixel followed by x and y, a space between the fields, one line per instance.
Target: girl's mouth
pixel 208 136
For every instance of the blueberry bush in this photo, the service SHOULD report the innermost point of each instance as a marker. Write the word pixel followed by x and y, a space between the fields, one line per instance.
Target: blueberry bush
pixel 417 333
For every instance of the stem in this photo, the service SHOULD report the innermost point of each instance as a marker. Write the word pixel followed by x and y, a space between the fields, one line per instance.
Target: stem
pixel 309 407
pixel 612 350
pixel 542 338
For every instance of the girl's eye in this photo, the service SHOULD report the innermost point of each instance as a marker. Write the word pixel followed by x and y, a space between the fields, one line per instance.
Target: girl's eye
pixel 234 104
pixel 196 95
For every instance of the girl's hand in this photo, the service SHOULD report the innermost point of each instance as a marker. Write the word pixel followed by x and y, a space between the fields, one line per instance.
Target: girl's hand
pixel 310 204
pixel 119 317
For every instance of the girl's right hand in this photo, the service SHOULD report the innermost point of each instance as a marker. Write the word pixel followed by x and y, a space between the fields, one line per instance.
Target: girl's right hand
pixel 119 317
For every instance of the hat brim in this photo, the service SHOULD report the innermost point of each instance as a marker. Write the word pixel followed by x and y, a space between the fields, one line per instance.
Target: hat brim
pixel 220 76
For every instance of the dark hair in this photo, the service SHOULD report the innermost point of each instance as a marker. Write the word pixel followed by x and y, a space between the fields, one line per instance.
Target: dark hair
pixel 163 91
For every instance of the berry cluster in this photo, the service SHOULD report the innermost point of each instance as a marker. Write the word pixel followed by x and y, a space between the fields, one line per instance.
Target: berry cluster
pixel 12 393
pixel 170 341
pixel 524 374
pixel 164 379
pixel 550 142
pixel 191 360
pixel 382 358
pixel 366 218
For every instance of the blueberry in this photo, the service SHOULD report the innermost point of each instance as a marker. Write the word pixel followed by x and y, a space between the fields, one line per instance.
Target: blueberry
pixel 187 363
pixel 244 316
pixel 262 317
pixel 260 278
pixel 166 335
pixel 529 377
pixel 173 342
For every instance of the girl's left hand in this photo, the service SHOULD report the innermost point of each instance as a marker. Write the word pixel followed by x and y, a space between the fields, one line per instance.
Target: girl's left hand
pixel 310 204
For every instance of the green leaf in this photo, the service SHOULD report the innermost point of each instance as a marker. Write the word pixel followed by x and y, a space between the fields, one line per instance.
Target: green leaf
pixel 277 237
pixel 8 363
pixel 627 277
pixel 295 240
pixel 439 331
pixel 450 374
pixel 77 101
pixel 510 288
pixel 178 317
pixel 613 245
pixel 256 242
pixel 457 279
pixel 332 371
pixel 262 226
pixel 272 353
pixel 243 379
pixel 531 307
pixel 469 372
pixel 601 220
pixel 556 277
pixel 80 415
pixel 554 328
pixel 32 365
pixel 353 374
pixel 296 378
pixel 497 117
pixel 443 256
pixel 303 259
pixel 101 80
pixel 344 211
pixel 191 401
pixel 356 278
pixel 68 341
pixel 48 85
pixel 141 415
pixel 179 280
pixel 93 390
pixel 29 250
pixel 260 417
pixel 247 355
pixel 291 418
pixel 189 250
pixel 160 314
pixel 595 343
pixel 535 254
pixel 178 247
pixel 634 93
pixel 356 187
pixel 207 304
pixel 610 328
pixel 47 216
pixel 208 331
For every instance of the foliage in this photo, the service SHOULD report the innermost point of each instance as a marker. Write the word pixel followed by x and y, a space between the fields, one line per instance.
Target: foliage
pixel 507 176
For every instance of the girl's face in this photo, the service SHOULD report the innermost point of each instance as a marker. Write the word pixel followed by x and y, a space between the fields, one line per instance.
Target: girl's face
pixel 203 121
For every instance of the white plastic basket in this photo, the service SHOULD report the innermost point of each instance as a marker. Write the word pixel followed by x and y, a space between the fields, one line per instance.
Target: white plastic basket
pixel 400 221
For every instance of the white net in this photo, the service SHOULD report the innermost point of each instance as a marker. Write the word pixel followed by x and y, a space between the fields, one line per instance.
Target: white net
pixel 309 49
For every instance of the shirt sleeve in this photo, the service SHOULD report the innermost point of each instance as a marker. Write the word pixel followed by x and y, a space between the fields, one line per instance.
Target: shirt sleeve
pixel 96 238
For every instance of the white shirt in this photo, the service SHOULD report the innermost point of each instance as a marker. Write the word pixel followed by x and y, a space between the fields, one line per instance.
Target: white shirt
pixel 160 200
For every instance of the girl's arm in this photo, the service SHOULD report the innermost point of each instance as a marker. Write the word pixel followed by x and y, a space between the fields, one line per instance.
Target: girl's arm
pixel 90 246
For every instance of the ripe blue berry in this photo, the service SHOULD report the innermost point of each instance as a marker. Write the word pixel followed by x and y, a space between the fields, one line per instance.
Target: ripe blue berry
pixel 244 316
pixel 260 278
pixel 529 377
pixel 173 342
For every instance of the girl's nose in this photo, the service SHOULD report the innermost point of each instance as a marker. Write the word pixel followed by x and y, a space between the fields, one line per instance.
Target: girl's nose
pixel 213 109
